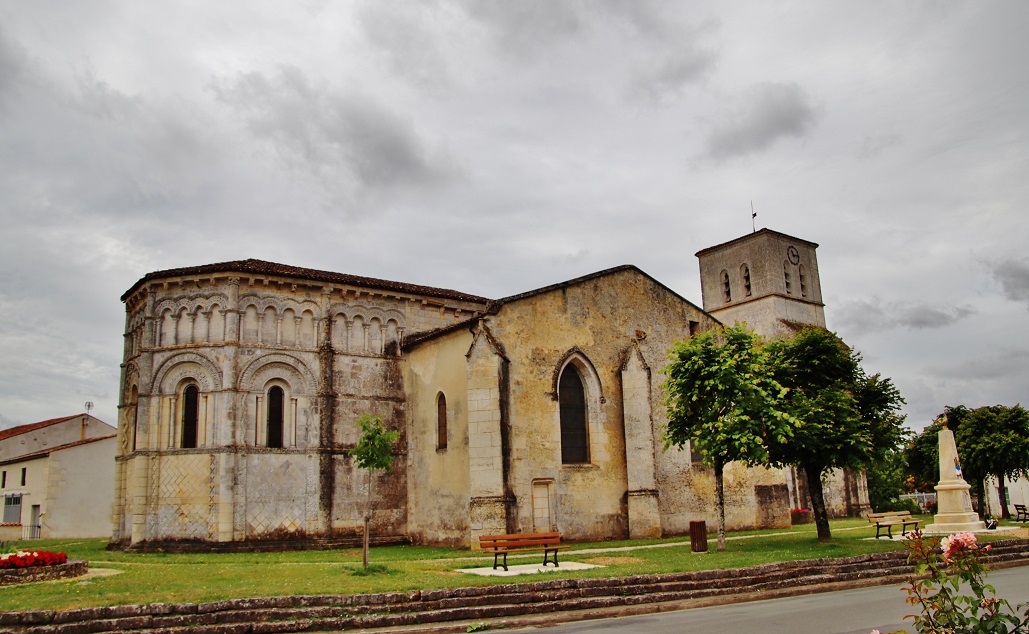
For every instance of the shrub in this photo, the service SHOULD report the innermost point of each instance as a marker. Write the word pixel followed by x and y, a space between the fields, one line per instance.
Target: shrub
pixel 942 566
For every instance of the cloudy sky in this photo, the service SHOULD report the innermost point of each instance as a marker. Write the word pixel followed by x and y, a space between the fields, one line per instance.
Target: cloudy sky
pixel 495 146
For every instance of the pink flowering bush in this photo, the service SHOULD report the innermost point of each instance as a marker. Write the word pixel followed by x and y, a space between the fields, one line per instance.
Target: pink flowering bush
pixel 28 559
pixel 942 567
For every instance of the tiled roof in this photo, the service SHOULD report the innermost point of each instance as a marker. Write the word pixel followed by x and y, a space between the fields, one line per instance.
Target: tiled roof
pixel 271 268
pixel 751 236
pixel 494 306
pixel 415 339
pixel 24 429
pixel 50 450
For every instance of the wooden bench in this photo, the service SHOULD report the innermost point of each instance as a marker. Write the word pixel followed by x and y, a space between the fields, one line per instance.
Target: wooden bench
pixel 890 519
pixel 1021 514
pixel 499 545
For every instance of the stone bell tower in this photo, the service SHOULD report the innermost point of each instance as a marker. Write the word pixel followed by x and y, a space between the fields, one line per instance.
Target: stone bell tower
pixel 765 279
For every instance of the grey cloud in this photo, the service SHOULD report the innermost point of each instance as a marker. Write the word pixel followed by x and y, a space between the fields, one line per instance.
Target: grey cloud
pixel 863 316
pixel 13 66
pixel 523 27
pixel 685 66
pixel 1000 364
pixel 1013 277
pixel 873 146
pixel 404 34
pixel 767 113
pixel 348 144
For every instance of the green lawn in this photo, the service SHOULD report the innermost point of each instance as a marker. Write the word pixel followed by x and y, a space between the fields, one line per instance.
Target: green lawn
pixel 159 577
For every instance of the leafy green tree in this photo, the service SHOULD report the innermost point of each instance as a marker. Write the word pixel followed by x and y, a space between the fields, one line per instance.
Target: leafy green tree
pixel 922 455
pixel 994 441
pixel 886 481
pixel 722 398
pixel 374 450
pixel 844 418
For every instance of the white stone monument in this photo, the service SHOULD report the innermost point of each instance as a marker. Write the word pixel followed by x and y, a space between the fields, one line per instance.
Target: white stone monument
pixel 954 513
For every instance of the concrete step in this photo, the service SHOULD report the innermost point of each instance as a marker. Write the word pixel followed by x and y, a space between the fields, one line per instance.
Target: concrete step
pixel 429 607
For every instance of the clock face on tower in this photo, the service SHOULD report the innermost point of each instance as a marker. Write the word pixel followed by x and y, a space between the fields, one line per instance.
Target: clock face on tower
pixel 793 255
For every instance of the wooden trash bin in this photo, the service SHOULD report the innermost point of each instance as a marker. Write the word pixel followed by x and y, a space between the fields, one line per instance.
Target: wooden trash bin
pixel 698 536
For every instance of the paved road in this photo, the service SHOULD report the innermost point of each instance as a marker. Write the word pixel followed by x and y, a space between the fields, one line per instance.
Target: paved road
pixel 843 612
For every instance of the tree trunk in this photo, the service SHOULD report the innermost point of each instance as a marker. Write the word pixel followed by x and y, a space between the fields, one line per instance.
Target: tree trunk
pixel 814 488
pixel 720 502
pixel 1001 492
pixel 367 517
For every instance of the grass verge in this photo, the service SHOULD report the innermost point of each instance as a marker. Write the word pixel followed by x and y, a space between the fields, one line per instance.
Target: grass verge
pixel 197 578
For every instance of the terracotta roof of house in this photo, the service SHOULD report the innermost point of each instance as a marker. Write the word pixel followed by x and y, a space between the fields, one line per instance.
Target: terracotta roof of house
pixel 271 268
pixel 50 450
pixel 24 429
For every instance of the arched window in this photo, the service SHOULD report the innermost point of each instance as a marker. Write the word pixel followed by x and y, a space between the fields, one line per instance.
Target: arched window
pixel 786 277
pixel 190 416
pixel 276 400
pixel 441 421
pixel 745 274
pixel 726 291
pixel 803 283
pixel 572 399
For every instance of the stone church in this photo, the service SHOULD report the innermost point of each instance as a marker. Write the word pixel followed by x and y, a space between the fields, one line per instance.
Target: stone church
pixel 242 382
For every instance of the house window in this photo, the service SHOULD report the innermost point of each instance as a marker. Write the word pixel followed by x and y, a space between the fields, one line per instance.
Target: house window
pixel 786 276
pixel 441 421
pixel 745 272
pixel 726 291
pixel 276 399
pixel 23 469
pixel 12 509
pixel 572 398
pixel 190 416
pixel 3 480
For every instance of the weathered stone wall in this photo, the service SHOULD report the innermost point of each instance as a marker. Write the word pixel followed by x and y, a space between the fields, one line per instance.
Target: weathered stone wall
pixel 439 487
pixel 598 325
pixel 235 337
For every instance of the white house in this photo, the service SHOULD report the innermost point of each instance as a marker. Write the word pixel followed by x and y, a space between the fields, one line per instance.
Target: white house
pixel 57 478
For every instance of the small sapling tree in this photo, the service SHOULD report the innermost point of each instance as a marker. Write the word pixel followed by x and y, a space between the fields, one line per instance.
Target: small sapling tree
pixel 374 450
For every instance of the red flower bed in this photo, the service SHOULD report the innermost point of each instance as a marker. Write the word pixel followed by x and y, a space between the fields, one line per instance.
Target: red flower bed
pixel 28 559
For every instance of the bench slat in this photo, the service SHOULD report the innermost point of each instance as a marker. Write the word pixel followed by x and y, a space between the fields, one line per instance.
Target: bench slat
pixel 501 545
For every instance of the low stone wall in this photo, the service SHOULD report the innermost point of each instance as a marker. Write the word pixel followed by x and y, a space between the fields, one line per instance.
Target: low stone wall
pixel 12 576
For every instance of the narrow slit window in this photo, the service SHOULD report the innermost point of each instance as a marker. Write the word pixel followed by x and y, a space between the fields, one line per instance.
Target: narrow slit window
pixel 135 415
pixel 441 421
pixel 786 277
pixel 803 282
pixel 726 290
pixel 745 273
pixel 190 416
pixel 276 407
